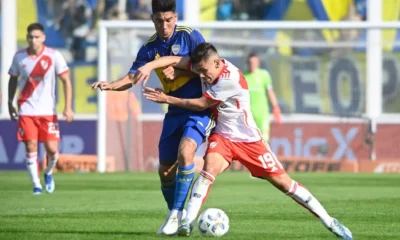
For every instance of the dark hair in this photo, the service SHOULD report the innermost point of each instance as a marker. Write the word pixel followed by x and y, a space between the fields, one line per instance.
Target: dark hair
pixel 202 52
pixel 35 26
pixel 163 6
pixel 252 54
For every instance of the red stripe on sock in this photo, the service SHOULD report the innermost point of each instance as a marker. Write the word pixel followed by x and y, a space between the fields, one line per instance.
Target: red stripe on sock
pixel 206 196
pixel 208 176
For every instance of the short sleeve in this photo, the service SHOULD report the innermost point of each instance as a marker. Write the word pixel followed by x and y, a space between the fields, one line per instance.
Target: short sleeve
pixel 223 90
pixel 143 57
pixel 61 65
pixel 14 69
pixel 267 80
pixel 195 39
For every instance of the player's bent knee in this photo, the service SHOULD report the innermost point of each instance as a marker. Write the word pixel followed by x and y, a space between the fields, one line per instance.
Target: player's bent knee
pixel 31 146
pixel 215 163
pixel 187 150
pixel 51 147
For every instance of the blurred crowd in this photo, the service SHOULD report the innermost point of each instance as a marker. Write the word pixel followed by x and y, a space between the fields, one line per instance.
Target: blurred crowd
pixel 276 9
pixel 71 24
pixel 76 19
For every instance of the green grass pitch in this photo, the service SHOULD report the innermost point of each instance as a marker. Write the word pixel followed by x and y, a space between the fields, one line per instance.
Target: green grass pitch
pixel 130 206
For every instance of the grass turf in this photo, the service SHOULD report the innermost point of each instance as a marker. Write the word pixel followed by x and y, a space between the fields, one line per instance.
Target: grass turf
pixel 130 206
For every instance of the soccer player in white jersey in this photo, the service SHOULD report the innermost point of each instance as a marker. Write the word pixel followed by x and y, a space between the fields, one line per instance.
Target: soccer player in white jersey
pixel 235 136
pixel 35 70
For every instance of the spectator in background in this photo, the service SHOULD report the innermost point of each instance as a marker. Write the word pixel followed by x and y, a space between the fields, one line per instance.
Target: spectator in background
pixel 142 10
pixel 75 23
pixel 360 8
pixel 224 10
pixel 109 6
pixel 260 89
pixel 114 13
pixel 356 12
pixel 256 10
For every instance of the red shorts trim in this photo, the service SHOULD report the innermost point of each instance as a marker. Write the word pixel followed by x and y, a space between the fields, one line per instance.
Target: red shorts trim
pixel 257 157
pixel 41 128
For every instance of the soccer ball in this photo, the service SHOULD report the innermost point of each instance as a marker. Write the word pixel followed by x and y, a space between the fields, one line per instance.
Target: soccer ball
pixel 213 222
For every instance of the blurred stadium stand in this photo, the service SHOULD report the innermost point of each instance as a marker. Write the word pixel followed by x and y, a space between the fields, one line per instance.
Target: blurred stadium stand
pixel 71 25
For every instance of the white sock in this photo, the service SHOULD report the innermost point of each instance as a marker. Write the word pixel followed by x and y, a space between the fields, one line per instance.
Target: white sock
pixel 33 170
pixel 303 197
pixel 199 194
pixel 51 163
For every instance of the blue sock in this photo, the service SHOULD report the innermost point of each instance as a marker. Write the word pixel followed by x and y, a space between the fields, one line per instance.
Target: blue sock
pixel 168 190
pixel 184 180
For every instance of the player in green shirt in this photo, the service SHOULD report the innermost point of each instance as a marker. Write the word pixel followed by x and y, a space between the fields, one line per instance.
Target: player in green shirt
pixel 260 88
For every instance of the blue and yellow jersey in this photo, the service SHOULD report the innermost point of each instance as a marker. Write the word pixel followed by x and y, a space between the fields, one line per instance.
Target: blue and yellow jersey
pixel 182 43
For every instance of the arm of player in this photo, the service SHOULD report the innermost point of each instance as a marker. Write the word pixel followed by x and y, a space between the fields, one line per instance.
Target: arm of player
pixel 194 104
pixel 272 97
pixel 12 88
pixel 121 84
pixel 172 73
pixel 275 106
pixel 143 73
pixel 66 81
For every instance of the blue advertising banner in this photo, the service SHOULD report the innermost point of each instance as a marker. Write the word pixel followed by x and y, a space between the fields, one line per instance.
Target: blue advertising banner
pixel 78 137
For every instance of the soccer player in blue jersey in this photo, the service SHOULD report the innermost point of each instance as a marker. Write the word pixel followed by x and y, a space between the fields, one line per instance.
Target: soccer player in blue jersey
pixel 183 130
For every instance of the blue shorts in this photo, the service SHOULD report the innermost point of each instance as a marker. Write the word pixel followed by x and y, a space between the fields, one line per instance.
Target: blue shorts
pixel 176 127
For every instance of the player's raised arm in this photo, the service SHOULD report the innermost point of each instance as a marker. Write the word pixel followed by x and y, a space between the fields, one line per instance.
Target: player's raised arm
pixel 194 104
pixel 121 84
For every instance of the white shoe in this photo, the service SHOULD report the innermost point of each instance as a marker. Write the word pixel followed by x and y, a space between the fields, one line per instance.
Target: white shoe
pixel 340 230
pixel 171 224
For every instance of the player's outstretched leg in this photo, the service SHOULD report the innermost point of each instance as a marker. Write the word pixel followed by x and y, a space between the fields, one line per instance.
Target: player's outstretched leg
pixel 304 197
pixel 52 158
pixel 184 179
pixel 214 164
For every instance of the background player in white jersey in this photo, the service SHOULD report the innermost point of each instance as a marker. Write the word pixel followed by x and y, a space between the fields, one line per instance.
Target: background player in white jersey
pixel 35 70
pixel 235 136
